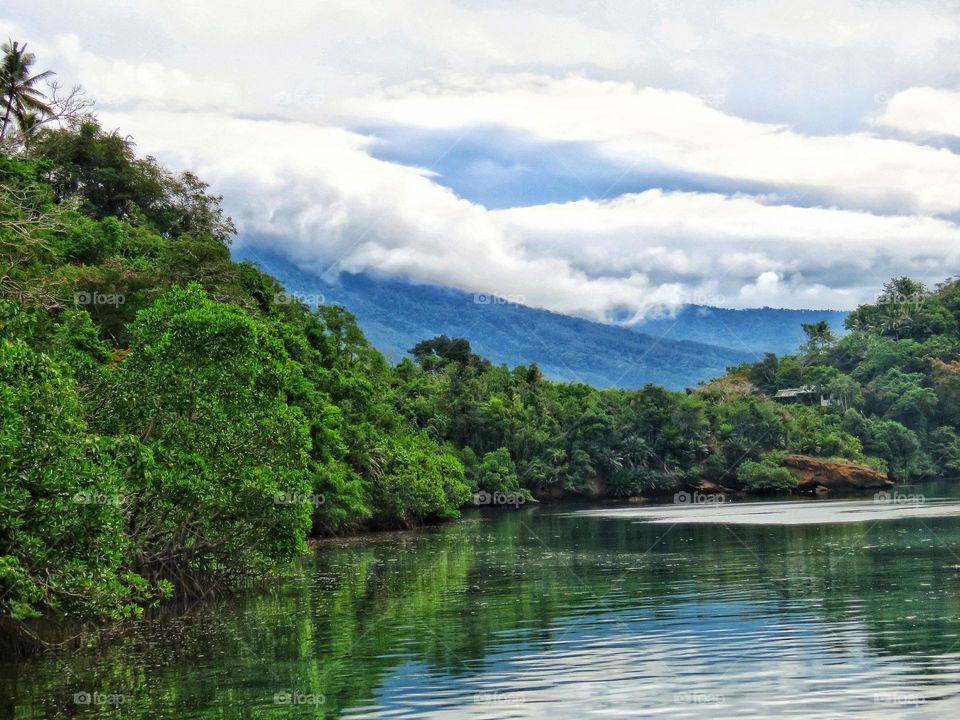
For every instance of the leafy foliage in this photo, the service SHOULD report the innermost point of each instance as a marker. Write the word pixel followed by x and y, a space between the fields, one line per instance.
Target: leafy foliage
pixel 765 477
pixel 171 421
pixel 205 426
pixel 62 544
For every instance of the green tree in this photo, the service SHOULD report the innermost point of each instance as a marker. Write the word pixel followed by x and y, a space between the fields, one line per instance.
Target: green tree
pixel 21 100
pixel 222 490
pixel 819 337
pixel 417 482
pixel 497 473
pixel 102 171
pixel 434 353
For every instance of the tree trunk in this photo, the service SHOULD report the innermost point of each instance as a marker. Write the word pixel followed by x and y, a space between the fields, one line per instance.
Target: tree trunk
pixel 6 117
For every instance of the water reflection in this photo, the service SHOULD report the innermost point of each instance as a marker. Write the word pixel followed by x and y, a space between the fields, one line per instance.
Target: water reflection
pixel 547 613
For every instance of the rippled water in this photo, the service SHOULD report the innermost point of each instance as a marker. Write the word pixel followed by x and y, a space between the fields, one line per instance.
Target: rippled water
pixel 557 613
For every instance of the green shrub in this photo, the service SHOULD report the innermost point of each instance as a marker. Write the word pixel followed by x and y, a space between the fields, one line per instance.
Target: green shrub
pixel 497 473
pixel 416 481
pixel 765 477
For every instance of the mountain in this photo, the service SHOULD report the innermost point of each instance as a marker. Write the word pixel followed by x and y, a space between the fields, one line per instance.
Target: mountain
pixel 755 331
pixel 396 314
pixel 697 343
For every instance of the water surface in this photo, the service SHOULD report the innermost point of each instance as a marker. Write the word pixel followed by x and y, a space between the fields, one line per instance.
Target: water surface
pixel 554 612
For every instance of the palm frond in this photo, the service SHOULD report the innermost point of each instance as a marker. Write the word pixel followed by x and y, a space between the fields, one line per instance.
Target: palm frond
pixel 27 103
pixel 39 76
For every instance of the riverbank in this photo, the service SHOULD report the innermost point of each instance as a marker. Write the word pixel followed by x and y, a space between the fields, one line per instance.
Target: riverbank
pixel 45 636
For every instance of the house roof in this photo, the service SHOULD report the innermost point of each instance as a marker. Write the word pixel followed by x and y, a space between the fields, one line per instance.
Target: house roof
pixel 794 392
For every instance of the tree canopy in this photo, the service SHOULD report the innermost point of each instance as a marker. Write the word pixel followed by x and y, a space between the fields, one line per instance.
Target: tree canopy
pixel 171 422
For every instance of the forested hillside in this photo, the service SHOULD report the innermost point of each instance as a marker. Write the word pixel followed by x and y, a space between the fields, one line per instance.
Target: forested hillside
pixel 677 350
pixel 174 422
pixel 894 380
pixel 395 314
pixel 167 423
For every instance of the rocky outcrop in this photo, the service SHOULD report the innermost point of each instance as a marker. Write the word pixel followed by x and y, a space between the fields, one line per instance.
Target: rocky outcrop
pixel 708 486
pixel 594 489
pixel 817 474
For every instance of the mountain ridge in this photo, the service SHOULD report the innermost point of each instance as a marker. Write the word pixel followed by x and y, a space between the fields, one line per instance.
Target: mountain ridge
pixel 395 314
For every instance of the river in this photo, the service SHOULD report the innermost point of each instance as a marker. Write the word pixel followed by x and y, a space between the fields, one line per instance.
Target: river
pixel 814 608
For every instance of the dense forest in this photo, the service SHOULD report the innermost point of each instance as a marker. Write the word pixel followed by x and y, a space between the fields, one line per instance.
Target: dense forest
pixel 173 422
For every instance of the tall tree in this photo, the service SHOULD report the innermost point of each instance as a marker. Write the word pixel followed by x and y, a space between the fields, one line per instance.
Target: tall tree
pixel 21 100
pixel 819 336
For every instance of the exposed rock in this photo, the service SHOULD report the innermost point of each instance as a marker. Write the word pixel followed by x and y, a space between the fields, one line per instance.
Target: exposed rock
pixel 815 473
pixel 551 492
pixel 709 486
pixel 595 489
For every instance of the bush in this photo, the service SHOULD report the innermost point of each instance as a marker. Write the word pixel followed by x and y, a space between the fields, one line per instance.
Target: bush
pixel 717 468
pixel 497 473
pixel 765 477
pixel 416 481
pixel 623 484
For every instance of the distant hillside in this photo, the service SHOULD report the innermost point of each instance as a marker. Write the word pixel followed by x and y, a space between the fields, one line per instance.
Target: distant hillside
pixel 396 314
pixel 757 330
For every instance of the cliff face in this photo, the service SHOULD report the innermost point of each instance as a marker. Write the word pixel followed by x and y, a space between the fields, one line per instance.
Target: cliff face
pixel 812 473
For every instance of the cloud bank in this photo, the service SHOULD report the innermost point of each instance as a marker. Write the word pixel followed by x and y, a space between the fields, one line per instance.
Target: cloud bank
pixel 319 195
pixel 608 162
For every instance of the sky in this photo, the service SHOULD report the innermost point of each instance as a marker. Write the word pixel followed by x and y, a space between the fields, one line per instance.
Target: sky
pixel 606 159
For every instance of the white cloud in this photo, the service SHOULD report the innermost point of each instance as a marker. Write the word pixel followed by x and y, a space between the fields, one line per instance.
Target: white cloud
pixel 460 36
pixel 768 289
pixel 149 84
pixel 673 89
pixel 922 111
pixel 904 27
pixel 316 194
pixel 331 48
pixel 715 243
pixel 678 34
pixel 653 128
pixel 770 59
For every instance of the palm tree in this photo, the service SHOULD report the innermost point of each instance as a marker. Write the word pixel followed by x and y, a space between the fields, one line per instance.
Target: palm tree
pixel 819 336
pixel 20 98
